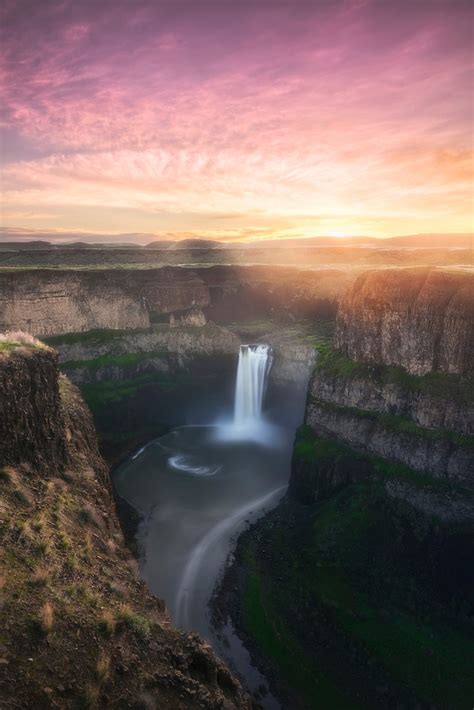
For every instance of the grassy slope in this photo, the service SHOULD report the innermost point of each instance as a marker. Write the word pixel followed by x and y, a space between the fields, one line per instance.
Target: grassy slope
pixel 348 595
pixel 77 626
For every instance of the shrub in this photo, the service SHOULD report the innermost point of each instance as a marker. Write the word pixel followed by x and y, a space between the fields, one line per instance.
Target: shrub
pixel 41 576
pixel 107 624
pixel 138 625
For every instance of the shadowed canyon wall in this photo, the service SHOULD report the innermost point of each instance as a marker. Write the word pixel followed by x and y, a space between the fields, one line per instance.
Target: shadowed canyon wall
pixel 47 303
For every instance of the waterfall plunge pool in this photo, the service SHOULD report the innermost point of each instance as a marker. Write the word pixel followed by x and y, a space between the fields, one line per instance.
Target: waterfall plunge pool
pixel 197 487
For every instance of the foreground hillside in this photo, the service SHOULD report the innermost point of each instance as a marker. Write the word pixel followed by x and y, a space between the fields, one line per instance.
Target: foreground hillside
pixel 78 628
pixel 357 591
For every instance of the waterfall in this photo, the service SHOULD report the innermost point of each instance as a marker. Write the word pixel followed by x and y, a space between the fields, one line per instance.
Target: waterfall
pixel 254 365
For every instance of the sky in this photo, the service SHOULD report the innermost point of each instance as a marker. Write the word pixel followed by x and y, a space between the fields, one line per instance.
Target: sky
pixel 236 119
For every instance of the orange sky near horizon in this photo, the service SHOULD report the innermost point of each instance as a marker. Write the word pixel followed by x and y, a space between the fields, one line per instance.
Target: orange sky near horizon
pixel 236 121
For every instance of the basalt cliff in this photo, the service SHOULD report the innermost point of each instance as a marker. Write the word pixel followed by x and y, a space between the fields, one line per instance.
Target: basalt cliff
pixel 78 628
pixel 419 319
pixel 356 591
pixel 47 302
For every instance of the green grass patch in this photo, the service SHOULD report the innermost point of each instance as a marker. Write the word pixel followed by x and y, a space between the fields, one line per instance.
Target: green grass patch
pixel 101 394
pixel 360 577
pixel 122 360
pixel 398 425
pixel 458 388
pixel 278 644
pixel 92 337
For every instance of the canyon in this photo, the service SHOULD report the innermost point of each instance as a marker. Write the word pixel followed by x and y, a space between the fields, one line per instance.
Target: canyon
pixel 366 552
pixel 373 538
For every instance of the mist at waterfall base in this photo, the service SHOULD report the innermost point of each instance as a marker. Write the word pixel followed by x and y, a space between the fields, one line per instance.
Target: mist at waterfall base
pixel 248 423
pixel 198 485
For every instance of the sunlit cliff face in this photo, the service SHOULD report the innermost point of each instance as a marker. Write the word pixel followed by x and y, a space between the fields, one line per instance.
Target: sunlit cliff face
pixel 237 119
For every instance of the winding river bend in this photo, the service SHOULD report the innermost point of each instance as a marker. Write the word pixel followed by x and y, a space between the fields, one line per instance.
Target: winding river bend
pixel 196 487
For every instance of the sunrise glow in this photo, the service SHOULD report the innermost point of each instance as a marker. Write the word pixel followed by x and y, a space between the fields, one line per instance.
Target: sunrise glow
pixel 237 120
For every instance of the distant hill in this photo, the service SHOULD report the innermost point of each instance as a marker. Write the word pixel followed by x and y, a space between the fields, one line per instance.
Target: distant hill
pixel 414 241
pixel 187 244
pixel 14 246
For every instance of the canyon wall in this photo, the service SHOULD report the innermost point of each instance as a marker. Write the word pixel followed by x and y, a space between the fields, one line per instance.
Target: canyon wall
pixel 420 319
pixel 397 385
pixel 46 302
pixel 51 302
pixel 436 401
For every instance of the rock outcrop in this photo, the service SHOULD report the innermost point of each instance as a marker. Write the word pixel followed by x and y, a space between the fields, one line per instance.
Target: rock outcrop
pixel 419 319
pixel 195 317
pixel 31 419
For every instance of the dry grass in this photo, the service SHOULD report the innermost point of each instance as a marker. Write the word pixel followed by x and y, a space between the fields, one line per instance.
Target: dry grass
pixel 41 576
pixel 88 515
pixel 103 666
pixel 119 589
pixel 46 619
pixel 17 338
pixel 107 624
pixel 91 697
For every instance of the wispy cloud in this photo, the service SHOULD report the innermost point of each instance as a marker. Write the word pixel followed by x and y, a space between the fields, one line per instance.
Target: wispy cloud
pixel 357 109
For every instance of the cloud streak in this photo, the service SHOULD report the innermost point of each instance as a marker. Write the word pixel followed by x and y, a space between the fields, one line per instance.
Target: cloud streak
pixel 356 109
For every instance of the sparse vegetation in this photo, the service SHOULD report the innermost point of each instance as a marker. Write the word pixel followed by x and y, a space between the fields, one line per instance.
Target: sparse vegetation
pixel 139 625
pixel 121 360
pixel 45 620
pixel 92 337
pixel 16 339
pixel 322 453
pixel 439 385
pixel 107 623
pixel 103 666
pixel 41 576
pixel 397 424
pixel 5 475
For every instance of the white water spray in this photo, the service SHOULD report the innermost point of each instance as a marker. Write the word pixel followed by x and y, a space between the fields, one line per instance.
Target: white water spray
pixel 254 365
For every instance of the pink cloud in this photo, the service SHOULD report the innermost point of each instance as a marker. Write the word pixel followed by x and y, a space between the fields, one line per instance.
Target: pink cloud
pixel 359 106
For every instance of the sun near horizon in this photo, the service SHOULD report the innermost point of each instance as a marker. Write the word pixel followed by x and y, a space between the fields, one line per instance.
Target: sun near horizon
pixel 236 120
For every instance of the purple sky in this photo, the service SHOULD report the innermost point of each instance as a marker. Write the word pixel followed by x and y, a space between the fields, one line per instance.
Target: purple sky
pixel 240 118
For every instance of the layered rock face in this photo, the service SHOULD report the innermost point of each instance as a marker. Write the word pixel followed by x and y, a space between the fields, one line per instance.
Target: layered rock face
pixel 158 348
pixel 371 389
pixel 79 629
pixel 31 419
pixel 393 323
pixel 424 450
pixel 419 319
pixel 47 303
